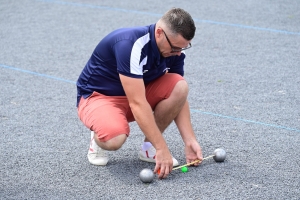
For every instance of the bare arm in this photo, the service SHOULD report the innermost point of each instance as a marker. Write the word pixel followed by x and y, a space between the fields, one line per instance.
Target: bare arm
pixel 192 148
pixel 143 114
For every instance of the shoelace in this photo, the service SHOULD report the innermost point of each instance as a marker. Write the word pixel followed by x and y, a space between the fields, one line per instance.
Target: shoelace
pixel 151 151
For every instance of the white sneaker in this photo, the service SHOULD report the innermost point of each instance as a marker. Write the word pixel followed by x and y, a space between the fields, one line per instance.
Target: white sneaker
pixel 96 155
pixel 149 156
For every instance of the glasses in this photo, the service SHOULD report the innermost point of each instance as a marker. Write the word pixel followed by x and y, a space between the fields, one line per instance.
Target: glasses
pixel 176 49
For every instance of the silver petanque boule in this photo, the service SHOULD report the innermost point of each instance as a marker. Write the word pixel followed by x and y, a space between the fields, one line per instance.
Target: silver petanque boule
pixel 219 155
pixel 147 175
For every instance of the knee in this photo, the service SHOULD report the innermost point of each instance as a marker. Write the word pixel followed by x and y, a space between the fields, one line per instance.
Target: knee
pixel 181 89
pixel 114 143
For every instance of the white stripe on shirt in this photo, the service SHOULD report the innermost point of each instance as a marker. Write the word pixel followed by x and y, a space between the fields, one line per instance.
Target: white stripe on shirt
pixel 135 66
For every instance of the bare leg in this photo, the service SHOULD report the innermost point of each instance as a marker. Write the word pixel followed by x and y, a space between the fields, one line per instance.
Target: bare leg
pixel 168 109
pixel 112 144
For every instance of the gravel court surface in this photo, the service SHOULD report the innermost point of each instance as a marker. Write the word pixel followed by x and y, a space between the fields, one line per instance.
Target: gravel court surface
pixel 243 72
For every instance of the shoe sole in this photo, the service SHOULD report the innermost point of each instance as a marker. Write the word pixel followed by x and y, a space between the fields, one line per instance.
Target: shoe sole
pixel 146 159
pixel 97 162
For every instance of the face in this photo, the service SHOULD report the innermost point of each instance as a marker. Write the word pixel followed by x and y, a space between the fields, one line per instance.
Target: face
pixel 172 45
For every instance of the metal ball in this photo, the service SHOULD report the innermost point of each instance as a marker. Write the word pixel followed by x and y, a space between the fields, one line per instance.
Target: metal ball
pixel 147 175
pixel 219 155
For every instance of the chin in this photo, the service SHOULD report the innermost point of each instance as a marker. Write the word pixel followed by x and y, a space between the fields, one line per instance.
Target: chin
pixel 165 55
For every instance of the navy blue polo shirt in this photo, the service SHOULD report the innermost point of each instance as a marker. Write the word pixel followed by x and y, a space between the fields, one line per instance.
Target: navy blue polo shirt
pixel 132 52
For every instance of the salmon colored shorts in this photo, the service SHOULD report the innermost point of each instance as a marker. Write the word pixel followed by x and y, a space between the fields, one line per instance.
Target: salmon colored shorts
pixel 108 116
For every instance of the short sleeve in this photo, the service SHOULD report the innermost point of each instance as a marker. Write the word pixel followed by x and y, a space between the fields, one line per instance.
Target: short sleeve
pixel 123 54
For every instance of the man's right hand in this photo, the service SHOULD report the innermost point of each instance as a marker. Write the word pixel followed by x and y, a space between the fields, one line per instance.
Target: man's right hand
pixel 164 162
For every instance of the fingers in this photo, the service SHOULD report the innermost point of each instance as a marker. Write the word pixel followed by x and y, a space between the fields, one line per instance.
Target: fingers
pixel 200 158
pixel 164 163
pixel 193 162
pixel 198 163
pixel 193 153
pixel 197 160
pixel 163 170
pixel 199 155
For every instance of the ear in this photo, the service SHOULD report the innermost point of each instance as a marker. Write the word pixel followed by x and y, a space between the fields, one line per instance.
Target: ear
pixel 158 36
pixel 159 32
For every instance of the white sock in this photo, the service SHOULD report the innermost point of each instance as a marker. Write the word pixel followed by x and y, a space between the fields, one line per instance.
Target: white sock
pixel 146 146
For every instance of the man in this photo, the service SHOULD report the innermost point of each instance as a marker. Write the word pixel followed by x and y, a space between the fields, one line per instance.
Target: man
pixel 136 74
